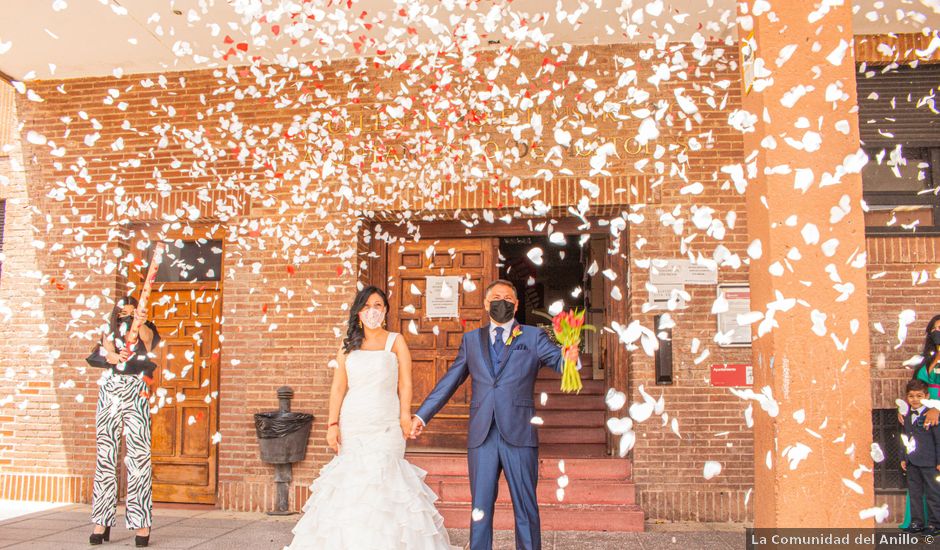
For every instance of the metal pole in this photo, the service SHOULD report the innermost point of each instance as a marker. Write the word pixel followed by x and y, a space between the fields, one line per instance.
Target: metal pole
pixel 283 473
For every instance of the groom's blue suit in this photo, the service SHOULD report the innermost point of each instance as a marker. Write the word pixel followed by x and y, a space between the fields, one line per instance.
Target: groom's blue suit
pixel 501 436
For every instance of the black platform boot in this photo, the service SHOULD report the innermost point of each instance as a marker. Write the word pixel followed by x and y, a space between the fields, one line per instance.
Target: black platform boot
pixel 97 538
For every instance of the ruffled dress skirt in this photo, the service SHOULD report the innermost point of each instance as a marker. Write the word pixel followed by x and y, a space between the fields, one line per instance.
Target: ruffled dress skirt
pixel 370 498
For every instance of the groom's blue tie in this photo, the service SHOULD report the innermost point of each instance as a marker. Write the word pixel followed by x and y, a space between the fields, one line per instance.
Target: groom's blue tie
pixel 498 346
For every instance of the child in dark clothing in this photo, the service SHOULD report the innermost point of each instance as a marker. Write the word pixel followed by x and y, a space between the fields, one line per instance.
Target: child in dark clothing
pixel 920 458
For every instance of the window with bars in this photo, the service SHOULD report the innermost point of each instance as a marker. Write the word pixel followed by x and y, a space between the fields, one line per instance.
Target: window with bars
pixel 886 432
pixel 189 261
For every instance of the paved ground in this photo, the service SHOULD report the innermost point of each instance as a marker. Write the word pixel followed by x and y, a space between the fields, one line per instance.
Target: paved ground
pixel 201 528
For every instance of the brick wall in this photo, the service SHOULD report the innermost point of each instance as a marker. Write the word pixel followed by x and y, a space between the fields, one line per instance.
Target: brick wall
pixel 296 352
pixel 893 262
pixel 47 430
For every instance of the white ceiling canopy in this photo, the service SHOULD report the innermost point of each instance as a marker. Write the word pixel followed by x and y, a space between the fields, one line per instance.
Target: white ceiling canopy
pixel 79 38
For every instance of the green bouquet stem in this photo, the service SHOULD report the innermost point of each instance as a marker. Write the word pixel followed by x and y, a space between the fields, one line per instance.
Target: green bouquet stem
pixel 570 377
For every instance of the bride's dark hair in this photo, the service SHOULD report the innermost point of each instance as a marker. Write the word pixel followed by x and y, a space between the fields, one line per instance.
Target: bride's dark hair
pixel 930 349
pixel 355 333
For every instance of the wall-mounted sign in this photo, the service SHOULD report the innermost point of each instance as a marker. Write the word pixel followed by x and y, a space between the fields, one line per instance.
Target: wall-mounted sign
pixel 682 272
pixel 738 297
pixel 668 297
pixel 441 297
pixel 731 375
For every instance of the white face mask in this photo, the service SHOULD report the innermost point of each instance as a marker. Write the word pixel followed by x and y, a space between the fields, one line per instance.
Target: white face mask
pixel 372 318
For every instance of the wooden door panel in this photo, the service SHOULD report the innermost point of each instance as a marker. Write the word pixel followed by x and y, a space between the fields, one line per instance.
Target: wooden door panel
pixel 185 468
pixel 196 436
pixel 434 342
pixel 181 476
pixel 164 434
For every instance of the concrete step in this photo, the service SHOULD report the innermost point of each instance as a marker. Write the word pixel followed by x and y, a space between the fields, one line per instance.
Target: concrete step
pixel 554 418
pixel 567 451
pixel 555 517
pixel 572 435
pixel 576 468
pixel 587 373
pixel 454 489
pixel 563 401
pixel 553 387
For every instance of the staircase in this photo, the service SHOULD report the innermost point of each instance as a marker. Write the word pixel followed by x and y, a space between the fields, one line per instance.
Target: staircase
pixel 574 424
pixel 600 495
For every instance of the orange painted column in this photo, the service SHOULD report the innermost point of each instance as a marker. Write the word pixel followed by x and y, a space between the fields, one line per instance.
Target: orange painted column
pixel 807 273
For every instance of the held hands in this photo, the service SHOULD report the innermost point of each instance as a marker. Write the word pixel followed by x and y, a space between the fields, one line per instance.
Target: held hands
pixel 333 438
pixel 405 422
pixel 416 427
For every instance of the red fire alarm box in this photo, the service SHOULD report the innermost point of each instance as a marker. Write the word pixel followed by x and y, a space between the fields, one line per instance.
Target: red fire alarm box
pixel 727 374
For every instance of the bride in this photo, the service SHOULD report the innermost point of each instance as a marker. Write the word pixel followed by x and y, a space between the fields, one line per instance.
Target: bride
pixel 369 497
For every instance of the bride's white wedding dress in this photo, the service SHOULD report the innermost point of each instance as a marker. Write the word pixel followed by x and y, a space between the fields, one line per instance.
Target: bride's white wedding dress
pixel 369 497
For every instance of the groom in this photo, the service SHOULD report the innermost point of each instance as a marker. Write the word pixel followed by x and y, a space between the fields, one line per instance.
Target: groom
pixel 502 359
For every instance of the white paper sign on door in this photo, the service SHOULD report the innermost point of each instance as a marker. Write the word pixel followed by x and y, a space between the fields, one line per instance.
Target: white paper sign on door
pixel 442 297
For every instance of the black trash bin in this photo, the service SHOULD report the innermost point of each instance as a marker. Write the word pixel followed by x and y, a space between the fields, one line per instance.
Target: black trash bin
pixel 282 440
pixel 283 436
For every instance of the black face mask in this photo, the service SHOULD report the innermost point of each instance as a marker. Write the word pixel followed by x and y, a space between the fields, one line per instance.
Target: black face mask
pixel 935 337
pixel 501 310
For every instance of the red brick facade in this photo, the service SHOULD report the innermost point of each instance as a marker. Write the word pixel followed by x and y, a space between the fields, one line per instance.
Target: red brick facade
pixel 47 430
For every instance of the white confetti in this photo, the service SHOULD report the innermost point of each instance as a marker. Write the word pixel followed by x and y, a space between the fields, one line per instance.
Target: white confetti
pixel 853 486
pixel 640 412
pixel 615 400
pixel 880 513
pixel 619 426
pixel 711 469
pixel 535 255
pixel 627 441
pixel 876 453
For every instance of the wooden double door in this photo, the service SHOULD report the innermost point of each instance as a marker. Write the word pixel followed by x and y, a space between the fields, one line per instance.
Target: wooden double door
pixel 400 264
pixel 434 342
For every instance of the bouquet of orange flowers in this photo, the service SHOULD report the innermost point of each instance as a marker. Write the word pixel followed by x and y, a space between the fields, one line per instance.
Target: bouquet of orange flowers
pixel 567 327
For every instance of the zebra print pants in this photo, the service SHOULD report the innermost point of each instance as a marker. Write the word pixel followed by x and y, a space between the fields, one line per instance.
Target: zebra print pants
pixel 123 407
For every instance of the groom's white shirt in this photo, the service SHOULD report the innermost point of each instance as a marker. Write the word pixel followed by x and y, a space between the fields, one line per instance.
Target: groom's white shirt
pixel 507 326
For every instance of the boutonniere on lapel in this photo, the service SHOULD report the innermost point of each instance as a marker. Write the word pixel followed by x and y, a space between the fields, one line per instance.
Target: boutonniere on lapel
pixel 516 331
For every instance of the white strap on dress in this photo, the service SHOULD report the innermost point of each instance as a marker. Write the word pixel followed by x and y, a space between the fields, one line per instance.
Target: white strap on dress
pixel 391 341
